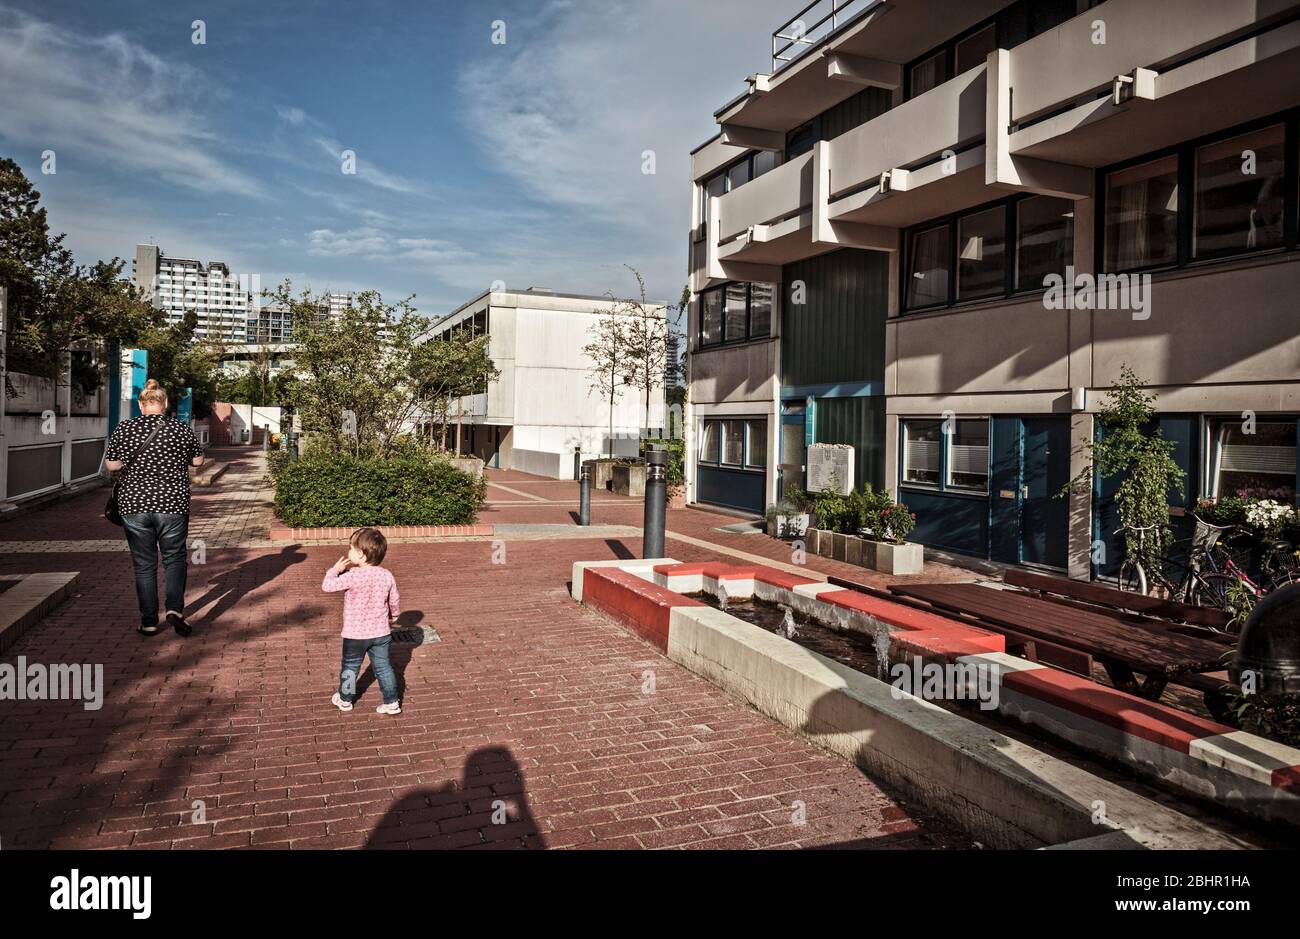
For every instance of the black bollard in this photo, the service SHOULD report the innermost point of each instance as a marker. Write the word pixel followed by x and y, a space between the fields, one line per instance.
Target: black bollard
pixel 584 495
pixel 577 462
pixel 656 502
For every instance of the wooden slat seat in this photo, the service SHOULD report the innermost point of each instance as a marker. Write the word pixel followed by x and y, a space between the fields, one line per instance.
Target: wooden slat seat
pixel 1119 599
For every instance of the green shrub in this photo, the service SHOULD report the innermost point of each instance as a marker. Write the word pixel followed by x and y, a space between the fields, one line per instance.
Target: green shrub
pixel 345 492
pixel 276 460
pixel 676 466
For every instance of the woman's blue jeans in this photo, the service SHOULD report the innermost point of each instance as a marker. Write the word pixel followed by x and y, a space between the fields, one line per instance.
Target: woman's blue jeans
pixel 149 534
pixel 354 650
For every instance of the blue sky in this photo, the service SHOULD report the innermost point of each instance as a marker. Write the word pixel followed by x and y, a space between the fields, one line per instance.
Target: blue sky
pixel 476 162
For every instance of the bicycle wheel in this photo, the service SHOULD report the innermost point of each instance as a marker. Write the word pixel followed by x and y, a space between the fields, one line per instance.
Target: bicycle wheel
pixel 1129 578
pixel 1226 593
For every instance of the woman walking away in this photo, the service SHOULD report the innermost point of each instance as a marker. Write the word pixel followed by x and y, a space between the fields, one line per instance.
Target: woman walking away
pixel 153 453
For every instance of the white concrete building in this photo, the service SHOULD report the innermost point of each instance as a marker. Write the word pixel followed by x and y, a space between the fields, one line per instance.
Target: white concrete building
pixel 224 302
pixel 542 405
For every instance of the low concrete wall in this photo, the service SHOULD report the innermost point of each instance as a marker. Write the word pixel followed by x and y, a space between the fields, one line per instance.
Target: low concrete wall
pixel 540 463
pixel 1003 792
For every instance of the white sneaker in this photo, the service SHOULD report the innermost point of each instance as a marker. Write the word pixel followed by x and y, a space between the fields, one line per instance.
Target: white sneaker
pixel 394 708
pixel 339 703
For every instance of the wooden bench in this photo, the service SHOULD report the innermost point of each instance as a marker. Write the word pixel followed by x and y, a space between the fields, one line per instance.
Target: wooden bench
pixel 1102 595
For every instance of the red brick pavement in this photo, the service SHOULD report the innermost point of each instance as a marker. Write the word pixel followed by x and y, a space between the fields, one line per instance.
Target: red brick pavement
pixel 529 706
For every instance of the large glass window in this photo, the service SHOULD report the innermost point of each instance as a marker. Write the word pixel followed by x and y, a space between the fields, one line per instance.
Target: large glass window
pixel 968 456
pixel 973 51
pixel 765 161
pixel 1260 465
pixel 738 175
pixel 1241 193
pixel 927 269
pixel 756 447
pixel 922 452
pixel 710 442
pixel 1044 239
pixel 733 442
pixel 711 317
pixel 735 314
pixel 1142 216
pixel 760 310
pixel 981 257
pixel 929 73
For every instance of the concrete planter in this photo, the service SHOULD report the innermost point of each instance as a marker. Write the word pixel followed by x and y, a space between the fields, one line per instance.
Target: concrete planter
pixel 468 464
pixel 825 543
pixel 788 526
pixel 628 480
pixel 677 500
pixel 890 558
pixel 602 471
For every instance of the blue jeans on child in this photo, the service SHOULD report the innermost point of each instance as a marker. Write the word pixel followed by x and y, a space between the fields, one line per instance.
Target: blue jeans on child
pixel 354 651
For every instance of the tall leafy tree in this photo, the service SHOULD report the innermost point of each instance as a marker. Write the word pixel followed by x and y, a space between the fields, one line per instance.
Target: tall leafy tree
pixel 607 349
pixel 646 334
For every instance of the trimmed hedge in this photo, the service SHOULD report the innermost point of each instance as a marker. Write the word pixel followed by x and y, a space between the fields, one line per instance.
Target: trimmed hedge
pixel 346 492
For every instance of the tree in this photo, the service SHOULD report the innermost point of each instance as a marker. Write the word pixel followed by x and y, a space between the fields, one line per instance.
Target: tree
pixel 179 361
pixel 1127 447
pixel 447 369
pixel 55 305
pixel 646 332
pixel 607 351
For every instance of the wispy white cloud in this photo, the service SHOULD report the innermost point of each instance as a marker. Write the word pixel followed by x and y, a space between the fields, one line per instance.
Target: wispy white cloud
pixel 107 99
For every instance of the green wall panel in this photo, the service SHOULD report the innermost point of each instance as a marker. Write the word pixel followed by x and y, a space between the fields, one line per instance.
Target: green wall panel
pixel 861 423
pixel 838 334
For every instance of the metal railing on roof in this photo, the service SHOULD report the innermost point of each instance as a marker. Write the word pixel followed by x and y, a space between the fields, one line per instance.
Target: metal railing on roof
pixel 812 25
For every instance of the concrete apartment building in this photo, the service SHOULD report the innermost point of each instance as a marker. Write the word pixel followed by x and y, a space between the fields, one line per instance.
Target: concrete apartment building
pixel 876 227
pixel 222 301
pixel 542 406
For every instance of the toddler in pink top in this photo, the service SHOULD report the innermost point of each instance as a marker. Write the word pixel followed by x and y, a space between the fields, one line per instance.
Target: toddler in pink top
pixel 370 606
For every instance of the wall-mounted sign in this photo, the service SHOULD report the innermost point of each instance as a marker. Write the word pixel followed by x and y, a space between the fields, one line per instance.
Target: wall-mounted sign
pixel 830 466
pixel 810 421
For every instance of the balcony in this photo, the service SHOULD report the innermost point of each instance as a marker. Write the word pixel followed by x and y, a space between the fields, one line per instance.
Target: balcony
pixel 1241 56
pixel 773 197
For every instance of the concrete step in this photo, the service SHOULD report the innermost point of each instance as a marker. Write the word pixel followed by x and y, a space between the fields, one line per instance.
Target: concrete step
pixel 209 473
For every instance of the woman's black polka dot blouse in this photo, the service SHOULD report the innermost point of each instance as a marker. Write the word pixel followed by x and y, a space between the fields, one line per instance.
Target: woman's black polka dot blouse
pixel 158 480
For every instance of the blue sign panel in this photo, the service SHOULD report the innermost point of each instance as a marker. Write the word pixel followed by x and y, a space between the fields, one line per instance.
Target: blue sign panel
pixel 810 422
pixel 185 406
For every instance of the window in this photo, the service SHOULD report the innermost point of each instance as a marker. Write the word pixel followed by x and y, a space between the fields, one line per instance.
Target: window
pixel 733 442
pixel 709 442
pixel 760 309
pixel 981 258
pixel 801 139
pixel 714 186
pixel 1261 464
pixel 711 317
pixel 922 452
pixel 927 253
pixel 764 161
pixel 968 456
pixel 958 460
pixel 738 175
pixel 929 73
pixel 756 444
pixel 1142 216
pixel 1044 239
pixel 939 273
pixel 735 313
pixel 974 51
pixel 1241 193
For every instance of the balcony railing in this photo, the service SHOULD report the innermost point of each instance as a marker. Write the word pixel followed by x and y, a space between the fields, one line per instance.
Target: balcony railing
pixel 777 194
pixel 811 25
pixel 943 118
pixel 1088 52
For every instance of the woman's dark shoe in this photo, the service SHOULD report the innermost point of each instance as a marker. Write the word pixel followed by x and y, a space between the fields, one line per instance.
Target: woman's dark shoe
pixel 178 623
pixel 148 630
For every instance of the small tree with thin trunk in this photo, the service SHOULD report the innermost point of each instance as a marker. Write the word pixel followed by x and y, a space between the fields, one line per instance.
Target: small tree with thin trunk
pixel 607 351
pixel 646 350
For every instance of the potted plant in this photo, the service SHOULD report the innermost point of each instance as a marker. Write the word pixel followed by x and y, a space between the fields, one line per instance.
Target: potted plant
pixel 885 525
pixel 789 517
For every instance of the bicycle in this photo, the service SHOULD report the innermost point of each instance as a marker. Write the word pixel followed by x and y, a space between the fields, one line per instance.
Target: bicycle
pixel 1203 549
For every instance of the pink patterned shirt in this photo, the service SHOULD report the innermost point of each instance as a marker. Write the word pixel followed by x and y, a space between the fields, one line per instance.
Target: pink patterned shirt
pixel 370 602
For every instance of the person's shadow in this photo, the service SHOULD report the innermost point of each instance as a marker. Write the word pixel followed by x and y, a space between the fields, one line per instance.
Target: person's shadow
pixel 405 632
pixel 228 588
pixel 491 793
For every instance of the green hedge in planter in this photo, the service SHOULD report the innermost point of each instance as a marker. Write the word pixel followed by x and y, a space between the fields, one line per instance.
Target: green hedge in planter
pixel 346 492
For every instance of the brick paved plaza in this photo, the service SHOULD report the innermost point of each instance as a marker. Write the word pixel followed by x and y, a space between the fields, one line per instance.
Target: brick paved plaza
pixel 228 739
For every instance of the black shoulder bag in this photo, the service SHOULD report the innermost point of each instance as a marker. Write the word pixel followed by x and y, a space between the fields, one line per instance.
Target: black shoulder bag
pixel 110 510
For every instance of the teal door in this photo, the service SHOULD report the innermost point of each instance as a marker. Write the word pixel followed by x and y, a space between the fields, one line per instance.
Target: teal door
pixel 1044 470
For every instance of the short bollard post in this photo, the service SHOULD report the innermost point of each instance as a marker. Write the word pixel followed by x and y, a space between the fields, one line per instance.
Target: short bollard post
pixel 584 495
pixel 577 462
pixel 266 439
pixel 656 502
